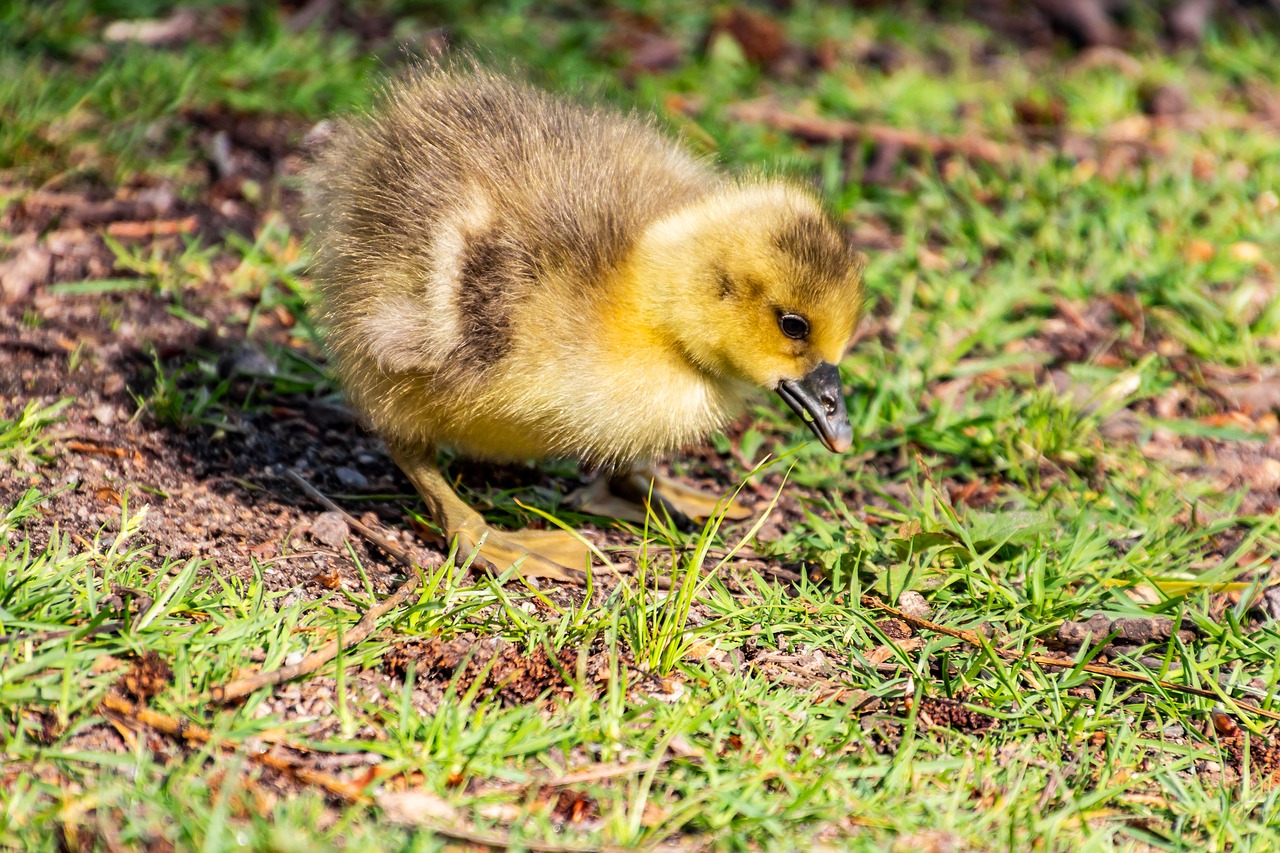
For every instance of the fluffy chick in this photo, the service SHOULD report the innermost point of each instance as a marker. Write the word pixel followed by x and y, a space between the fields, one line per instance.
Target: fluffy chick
pixel 516 276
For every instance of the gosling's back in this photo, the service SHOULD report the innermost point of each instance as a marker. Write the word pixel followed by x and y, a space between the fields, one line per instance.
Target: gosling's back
pixel 436 217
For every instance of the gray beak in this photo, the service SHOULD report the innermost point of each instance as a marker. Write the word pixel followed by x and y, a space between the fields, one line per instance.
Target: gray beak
pixel 819 399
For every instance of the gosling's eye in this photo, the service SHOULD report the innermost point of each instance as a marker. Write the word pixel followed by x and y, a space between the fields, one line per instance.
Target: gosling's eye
pixel 794 326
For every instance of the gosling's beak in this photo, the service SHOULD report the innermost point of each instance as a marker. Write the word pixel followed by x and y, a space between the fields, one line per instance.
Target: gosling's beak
pixel 819 399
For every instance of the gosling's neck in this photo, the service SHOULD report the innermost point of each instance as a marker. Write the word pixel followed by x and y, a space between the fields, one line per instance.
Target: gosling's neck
pixel 647 370
pixel 650 323
pixel 652 295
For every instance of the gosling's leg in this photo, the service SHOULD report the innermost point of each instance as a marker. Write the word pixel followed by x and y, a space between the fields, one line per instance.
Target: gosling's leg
pixel 625 496
pixel 540 553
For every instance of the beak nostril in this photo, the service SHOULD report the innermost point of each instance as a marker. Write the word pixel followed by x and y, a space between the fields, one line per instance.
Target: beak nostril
pixel 819 399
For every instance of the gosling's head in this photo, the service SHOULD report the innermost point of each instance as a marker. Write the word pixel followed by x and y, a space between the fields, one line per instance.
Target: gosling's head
pixel 755 285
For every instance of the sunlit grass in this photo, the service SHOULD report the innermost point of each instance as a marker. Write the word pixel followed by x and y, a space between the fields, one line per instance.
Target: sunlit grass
pixel 706 668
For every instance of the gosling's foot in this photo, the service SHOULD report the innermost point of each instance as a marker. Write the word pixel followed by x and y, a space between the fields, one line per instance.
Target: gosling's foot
pixel 535 553
pixel 626 496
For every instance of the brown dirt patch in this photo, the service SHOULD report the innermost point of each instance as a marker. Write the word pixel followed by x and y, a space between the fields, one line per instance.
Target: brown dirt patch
pixel 954 714
pixel 501 668
pixel 149 676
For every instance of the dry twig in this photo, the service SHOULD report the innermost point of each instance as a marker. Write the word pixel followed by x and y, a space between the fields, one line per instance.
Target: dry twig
pixel 602 772
pixel 820 129
pixel 138 230
pixel 974 639
pixel 186 730
pixel 37 637
pixel 119 708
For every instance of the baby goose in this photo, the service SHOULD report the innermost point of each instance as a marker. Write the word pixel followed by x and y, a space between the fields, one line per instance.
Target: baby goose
pixel 515 276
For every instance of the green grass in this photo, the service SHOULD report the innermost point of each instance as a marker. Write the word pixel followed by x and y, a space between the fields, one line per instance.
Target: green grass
pixel 946 394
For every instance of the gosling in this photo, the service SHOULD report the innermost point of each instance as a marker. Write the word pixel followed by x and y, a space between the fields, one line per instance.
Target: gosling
pixel 516 276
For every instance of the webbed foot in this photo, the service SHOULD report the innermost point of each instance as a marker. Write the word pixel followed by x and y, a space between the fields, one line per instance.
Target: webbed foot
pixel 625 497
pixel 551 554
pixel 535 553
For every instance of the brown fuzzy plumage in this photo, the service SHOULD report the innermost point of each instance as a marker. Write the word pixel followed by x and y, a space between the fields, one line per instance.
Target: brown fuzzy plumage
pixel 518 276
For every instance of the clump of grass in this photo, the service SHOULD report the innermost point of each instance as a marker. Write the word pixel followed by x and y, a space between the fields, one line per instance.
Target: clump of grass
pixel 655 624
pixel 24 440
pixel 185 397
pixel 165 272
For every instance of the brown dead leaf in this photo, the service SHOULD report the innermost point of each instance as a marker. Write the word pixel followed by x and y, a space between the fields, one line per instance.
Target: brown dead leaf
pixel 125 205
pixel 826 54
pixel 761 37
pixel 653 814
pixel 656 53
pixel 641 40
pixel 1265 475
pixel 266 550
pixel 1165 100
pixel 932 260
pixel 1228 419
pixel 975 493
pixel 106 494
pixel 1040 114
pixel 574 807
pixel 1203 167
pixel 1118 161
pixel 330 579
pixel 1199 251
pixel 879 655
pixel 1255 392
pixel 428 534
pixel 1130 129
pixel 895 629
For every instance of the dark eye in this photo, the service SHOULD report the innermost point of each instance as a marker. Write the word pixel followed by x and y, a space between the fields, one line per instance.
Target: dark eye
pixel 794 326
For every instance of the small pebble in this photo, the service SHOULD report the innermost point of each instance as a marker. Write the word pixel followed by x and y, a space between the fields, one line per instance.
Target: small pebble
pixel 351 478
pixel 245 360
pixel 913 604
pixel 104 414
pixel 330 528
